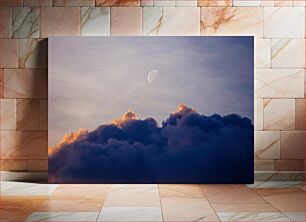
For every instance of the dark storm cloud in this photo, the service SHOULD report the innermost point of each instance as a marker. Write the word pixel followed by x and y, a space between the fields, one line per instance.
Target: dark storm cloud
pixel 187 148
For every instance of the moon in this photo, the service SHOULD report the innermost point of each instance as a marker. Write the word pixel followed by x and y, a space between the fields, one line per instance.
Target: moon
pixel 152 75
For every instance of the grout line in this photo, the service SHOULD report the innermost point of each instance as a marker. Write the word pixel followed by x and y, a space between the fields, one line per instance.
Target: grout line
pixel 209 202
pixel 161 208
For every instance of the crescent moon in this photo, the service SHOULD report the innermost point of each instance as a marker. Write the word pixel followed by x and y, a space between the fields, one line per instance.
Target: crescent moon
pixel 152 75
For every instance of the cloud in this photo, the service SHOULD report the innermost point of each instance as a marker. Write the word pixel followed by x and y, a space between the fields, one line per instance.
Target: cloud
pixel 187 148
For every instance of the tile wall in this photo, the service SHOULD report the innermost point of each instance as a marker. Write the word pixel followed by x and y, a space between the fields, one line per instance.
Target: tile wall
pixel 278 27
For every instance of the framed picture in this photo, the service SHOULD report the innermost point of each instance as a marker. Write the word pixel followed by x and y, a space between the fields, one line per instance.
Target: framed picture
pixel 151 109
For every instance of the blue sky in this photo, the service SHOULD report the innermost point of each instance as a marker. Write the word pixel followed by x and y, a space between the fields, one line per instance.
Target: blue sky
pixel 93 80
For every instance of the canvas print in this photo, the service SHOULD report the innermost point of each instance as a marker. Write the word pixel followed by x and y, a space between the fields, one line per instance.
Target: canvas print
pixel 151 109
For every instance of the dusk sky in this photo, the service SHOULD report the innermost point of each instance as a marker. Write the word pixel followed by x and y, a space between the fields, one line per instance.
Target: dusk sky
pixel 93 80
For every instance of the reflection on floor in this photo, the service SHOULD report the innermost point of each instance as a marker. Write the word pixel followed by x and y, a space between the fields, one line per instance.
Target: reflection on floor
pixel 262 201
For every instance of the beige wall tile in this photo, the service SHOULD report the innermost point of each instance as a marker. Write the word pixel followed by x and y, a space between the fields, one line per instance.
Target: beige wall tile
pixel 288 53
pixel 5 22
pixel 171 21
pixel 37 2
pixel 289 165
pixel 24 145
pixel 300 114
pixel 51 17
pixel 280 3
pixel 25 83
pixel 284 22
pixel 73 2
pixel 246 3
pixel 28 114
pixel 212 3
pixel 13 165
pixel 25 22
pixel 266 3
pixel 117 3
pixel 146 2
pixel 43 115
pixel 95 21
pixel 267 145
pixel 292 144
pixel 258 114
pixel 8 53
pixel 4 3
pixel 8 114
pixel 299 3
pixel 264 165
pixel 262 53
pixel 33 53
pixel 37 165
pixel 232 21
pixel 126 21
pixel 163 3
pixel 1 83
pixel 279 83
pixel 279 114
pixel 186 3
pixel 304 83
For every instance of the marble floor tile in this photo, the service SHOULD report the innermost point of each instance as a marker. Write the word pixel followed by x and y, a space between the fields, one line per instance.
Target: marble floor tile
pixel 130 214
pixel 295 216
pixel 187 209
pixel 18 208
pixel 63 216
pixel 277 184
pixel 95 191
pixel 230 194
pixel 9 188
pixel 177 190
pixel 72 204
pixel 263 207
pixel 284 199
pixel 251 216
pixel 133 196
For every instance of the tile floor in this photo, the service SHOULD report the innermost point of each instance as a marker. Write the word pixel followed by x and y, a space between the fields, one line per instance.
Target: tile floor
pixel 261 201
